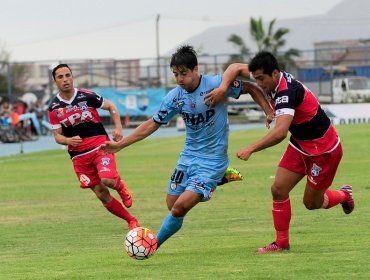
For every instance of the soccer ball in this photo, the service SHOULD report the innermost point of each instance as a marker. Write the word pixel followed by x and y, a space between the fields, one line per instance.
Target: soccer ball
pixel 140 243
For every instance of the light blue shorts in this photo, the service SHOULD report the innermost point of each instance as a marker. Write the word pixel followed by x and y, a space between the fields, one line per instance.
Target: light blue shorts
pixel 197 175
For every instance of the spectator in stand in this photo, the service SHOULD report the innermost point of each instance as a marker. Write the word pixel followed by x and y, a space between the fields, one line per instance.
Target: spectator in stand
pixel 40 109
pixel 24 114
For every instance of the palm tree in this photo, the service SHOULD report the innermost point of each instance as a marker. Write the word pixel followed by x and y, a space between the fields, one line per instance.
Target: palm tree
pixel 271 41
pixel 244 51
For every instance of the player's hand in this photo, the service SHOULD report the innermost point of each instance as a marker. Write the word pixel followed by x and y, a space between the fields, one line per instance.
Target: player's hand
pixel 117 134
pixel 214 97
pixel 269 119
pixel 109 147
pixel 74 141
pixel 244 154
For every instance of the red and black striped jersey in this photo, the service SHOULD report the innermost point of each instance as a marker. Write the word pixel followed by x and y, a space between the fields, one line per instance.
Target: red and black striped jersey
pixel 311 130
pixel 79 117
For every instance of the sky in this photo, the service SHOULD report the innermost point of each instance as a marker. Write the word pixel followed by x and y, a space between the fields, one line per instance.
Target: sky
pixel 49 30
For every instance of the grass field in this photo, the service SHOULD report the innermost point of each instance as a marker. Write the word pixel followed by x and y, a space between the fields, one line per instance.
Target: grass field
pixel 51 229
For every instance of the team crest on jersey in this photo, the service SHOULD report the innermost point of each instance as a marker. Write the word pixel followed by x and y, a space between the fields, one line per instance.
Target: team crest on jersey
pixel 192 104
pixel 60 112
pixel 105 161
pixel 315 170
pixel 83 105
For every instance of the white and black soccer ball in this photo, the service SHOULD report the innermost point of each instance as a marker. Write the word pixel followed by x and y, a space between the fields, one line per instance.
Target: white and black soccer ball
pixel 140 243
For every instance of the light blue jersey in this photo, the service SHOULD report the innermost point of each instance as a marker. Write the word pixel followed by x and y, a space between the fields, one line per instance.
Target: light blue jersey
pixel 207 130
pixel 204 158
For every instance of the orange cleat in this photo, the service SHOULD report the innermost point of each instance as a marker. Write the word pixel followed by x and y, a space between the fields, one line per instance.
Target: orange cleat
pixel 273 247
pixel 133 224
pixel 125 195
pixel 349 205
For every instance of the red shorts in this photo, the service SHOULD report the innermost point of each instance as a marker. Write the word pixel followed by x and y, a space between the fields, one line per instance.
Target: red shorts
pixel 320 170
pixel 92 167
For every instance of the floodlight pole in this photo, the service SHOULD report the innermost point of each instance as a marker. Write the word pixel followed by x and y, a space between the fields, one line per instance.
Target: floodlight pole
pixel 157 48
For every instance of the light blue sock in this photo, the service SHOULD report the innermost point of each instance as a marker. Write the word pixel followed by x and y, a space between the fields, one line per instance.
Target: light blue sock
pixel 169 227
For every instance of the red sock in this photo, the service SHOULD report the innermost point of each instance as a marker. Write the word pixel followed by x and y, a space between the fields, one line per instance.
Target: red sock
pixel 281 213
pixel 332 198
pixel 116 208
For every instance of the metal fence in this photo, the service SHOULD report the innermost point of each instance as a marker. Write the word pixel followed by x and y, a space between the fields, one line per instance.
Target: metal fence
pixel 17 78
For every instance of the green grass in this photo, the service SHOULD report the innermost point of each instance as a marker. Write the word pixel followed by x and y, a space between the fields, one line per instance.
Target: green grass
pixel 51 229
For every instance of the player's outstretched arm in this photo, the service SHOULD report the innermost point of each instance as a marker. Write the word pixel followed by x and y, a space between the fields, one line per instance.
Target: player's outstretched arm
pixel 275 136
pixel 231 73
pixel 141 132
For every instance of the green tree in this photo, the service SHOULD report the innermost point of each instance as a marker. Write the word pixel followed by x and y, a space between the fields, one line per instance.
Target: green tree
pixel 242 55
pixel 4 58
pixel 272 40
pixel 268 40
pixel 17 73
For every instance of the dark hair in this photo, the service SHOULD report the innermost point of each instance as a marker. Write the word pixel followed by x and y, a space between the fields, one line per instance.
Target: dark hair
pixel 185 56
pixel 62 65
pixel 265 61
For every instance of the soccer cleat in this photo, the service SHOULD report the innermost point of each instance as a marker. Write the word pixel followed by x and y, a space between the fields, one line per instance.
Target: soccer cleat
pixel 273 247
pixel 133 224
pixel 349 205
pixel 125 195
pixel 233 174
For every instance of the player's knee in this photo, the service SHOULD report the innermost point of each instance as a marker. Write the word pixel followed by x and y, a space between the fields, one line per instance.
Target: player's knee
pixel 311 205
pixel 102 194
pixel 278 192
pixel 108 182
pixel 178 210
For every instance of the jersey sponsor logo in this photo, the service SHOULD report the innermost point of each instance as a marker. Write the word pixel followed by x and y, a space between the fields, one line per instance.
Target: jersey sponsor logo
pixel 162 114
pixel 284 111
pixel 199 119
pixel 173 186
pixel 289 77
pixel 210 193
pixel 105 161
pixel 315 170
pixel 205 92
pixel 105 169
pixel 179 104
pixel 236 84
pixel 84 179
pixel 282 99
pixel 77 118
pixel 54 105
pixel 60 112
pixel 200 186
pixel 71 108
